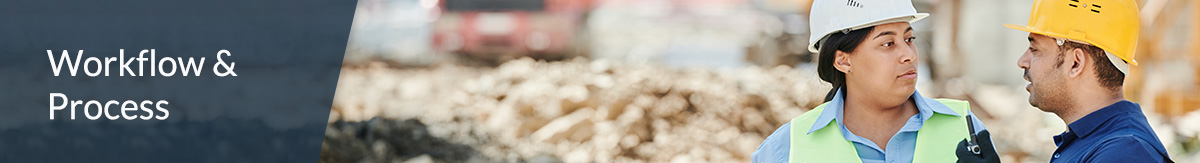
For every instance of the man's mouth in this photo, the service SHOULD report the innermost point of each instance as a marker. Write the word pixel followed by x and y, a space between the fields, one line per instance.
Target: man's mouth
pixel 1027 76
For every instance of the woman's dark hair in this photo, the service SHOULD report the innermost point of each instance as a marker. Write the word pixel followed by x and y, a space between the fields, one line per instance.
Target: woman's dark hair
pixel 827 50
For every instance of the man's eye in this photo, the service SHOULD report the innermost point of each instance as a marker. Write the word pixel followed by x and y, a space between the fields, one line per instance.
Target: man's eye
pixel 888 44
pixel 910 39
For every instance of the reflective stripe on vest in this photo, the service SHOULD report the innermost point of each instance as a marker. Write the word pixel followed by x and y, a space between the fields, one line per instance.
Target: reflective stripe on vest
pixel 936 140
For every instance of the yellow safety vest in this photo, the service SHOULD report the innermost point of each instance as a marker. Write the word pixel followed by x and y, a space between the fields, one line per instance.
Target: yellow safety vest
pixel 936 140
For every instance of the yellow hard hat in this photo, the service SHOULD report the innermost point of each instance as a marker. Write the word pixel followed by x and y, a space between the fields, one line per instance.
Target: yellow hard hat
pixel 1111 25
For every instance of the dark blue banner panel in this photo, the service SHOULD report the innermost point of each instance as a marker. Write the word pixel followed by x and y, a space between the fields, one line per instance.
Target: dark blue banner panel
pixel 168 81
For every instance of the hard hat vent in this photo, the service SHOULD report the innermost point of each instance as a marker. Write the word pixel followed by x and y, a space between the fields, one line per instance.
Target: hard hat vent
pixel 853 3
pixel 1095 10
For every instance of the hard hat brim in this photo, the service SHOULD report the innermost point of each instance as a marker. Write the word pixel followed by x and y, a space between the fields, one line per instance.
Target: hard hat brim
pixel 1031 30
pixel 812 47
pixel 1056 35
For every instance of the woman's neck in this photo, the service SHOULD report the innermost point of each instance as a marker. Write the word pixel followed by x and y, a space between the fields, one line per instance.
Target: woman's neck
pixel 866 118
pixel 869 104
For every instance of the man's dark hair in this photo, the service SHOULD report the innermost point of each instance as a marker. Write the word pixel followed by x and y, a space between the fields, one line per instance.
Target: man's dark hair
pixel 1110 77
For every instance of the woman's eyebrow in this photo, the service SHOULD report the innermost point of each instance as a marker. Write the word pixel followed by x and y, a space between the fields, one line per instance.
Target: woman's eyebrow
pixel 891 33
pixel 884 34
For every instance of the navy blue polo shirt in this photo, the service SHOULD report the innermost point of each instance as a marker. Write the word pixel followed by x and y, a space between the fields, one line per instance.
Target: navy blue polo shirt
pixel 1116 133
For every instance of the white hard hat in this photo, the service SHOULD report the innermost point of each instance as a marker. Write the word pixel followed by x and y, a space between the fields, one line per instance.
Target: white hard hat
pixel 829 16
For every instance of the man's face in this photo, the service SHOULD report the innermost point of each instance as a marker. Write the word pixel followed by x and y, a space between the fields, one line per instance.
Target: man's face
pixel 1044 69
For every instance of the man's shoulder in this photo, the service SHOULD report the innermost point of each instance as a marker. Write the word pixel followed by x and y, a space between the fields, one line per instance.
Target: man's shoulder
pixel 1123 141
pixel 1127 125
pixel 1127 136
pixel 1126 129
pixel 1122 148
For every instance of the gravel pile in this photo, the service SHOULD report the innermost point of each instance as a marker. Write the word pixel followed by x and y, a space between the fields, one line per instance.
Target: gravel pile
pixel 569 111
pixel 599 111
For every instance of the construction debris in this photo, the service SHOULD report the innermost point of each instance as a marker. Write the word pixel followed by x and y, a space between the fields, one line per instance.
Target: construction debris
pixel 600 111
pixel 577 110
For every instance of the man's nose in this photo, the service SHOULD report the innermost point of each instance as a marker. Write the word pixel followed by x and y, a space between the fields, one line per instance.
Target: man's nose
pixel 1023 62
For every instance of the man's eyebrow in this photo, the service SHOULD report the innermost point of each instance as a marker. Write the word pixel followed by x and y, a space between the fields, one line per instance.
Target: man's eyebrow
pixel 908 30
pixel 1031 40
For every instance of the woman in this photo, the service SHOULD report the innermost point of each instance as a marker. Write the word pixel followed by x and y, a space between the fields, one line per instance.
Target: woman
pixel 873 113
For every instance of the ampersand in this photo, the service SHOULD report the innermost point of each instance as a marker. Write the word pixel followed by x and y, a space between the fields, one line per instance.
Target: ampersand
pixel 221 63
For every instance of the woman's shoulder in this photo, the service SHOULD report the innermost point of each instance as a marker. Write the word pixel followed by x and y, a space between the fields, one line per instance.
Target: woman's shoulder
pixel 776 147
pixel 960 107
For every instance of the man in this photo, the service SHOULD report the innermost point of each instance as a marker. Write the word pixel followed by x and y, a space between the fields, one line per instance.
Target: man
pixel 1079 54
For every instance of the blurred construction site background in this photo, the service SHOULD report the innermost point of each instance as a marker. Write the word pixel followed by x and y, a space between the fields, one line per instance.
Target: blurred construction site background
pixel 686 80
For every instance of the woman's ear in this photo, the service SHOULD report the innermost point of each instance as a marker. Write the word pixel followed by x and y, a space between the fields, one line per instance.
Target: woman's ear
pixel 841 61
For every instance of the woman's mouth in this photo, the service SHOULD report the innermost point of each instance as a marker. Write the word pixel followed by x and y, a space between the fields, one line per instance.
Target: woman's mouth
pixel 911 74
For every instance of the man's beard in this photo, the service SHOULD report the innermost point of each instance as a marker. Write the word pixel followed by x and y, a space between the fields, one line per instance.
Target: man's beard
pixel 1049 94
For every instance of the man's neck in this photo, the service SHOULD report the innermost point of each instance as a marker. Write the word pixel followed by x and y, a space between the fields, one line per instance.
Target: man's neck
pixel 1089 101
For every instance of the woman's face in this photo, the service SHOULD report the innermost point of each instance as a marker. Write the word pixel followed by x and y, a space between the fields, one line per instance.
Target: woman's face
pixel 884 65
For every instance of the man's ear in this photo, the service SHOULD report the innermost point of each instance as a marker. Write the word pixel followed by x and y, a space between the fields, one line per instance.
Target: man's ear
pixel 841 61
pixel 1076 61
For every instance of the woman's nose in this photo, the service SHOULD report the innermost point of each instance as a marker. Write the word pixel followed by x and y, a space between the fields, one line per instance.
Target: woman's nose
pixel 908 54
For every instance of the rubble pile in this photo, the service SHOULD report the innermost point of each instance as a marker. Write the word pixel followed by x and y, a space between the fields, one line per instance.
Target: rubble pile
pixel 574 111
pixel 599 111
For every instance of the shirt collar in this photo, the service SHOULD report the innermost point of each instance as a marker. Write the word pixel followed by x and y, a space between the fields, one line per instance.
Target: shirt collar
pixel 833 109
pixel 1090 122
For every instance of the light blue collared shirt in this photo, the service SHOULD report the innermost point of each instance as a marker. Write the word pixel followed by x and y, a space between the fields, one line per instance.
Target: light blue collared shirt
pixel 900 148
